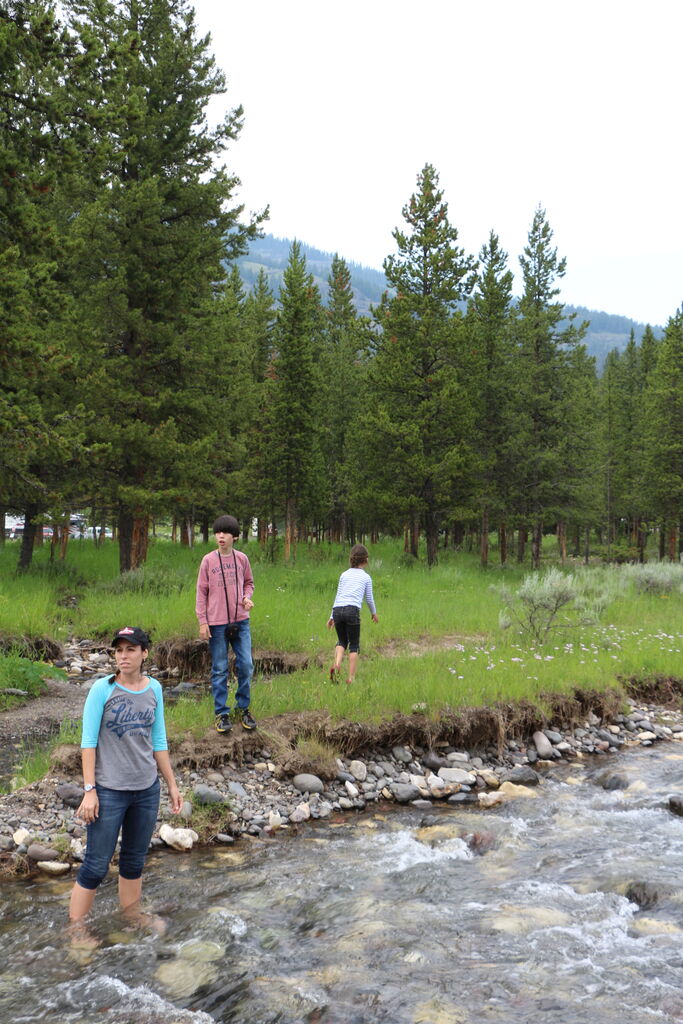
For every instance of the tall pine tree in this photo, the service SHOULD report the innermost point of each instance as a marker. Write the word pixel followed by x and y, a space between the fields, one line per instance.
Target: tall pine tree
pixel 419 413
pixel 158 232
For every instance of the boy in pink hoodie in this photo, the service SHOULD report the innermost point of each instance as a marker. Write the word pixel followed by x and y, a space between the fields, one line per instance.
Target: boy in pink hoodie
pixel 224 590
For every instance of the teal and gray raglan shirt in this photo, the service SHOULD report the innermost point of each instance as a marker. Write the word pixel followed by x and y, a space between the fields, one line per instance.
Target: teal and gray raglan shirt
pixel 126 727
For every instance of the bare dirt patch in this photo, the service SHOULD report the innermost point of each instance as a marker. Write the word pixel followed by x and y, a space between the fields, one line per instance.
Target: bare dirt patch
pixel 43 715
pixel 191 658
pixel 398 648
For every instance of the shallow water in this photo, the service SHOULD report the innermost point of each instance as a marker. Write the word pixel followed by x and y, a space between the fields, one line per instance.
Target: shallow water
pixel 374 919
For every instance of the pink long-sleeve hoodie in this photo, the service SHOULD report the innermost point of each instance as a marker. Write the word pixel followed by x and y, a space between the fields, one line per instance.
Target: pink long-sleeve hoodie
pixel 210 605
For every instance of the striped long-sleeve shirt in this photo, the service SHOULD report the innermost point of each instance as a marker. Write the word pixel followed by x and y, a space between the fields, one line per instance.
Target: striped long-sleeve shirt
pixel 355 585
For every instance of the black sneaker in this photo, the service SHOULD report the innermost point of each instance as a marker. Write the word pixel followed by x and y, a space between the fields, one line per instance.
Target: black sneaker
pixel 247 720
pixel 223 723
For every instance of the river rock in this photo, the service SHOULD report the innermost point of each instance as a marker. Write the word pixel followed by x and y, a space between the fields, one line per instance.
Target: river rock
pixel 523 775
pixel 178 838
pixel 613 780
pixel 510 791
pixel 351 790
pixel 490 799
pixel 489 777
pixel 436 785
pixel 307 783
pixel 457 775
pixel 237 789
pixel 77 849
pixel 358 770
pixel 53 867
pixel 543 745
pixel 676 805
pixel 274 820
pixel 433 761
pixel 404 792
pixel 554 737
pixel 300 813
pixel 205 795
pixel 401 754
pixel 21 836
pixel 70 794
pixel 37 851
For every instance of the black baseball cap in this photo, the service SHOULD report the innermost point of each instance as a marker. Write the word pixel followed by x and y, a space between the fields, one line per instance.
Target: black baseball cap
pixel 134 635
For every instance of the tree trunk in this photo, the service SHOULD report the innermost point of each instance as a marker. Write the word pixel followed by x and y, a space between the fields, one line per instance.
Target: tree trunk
pixel 290 530
pixel 64 542
pixel 503 543
pixel 484 539
pixel 414 537
pixel 26 550
pixel 54 541
pixel 205 529
pixel 133 530
pixel 522 537
pixel 642 541
pixel 587 545
pixel 432 538
pixel 672 542
pixel 662 542
pixel 562 540
pixel 185 532
pixel 536 544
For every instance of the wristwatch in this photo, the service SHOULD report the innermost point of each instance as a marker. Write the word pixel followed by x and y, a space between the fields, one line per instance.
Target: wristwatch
pixel 88 786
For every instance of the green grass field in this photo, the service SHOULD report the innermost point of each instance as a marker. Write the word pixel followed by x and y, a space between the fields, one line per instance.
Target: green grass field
pixel 438 643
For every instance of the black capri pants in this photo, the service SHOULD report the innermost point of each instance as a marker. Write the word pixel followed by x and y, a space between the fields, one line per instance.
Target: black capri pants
pixel 347 623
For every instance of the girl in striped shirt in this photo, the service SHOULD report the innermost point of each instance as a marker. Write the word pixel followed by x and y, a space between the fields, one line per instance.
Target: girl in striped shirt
pixel 355 586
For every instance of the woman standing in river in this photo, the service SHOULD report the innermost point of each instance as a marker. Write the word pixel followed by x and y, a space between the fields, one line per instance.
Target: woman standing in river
pixel 123 747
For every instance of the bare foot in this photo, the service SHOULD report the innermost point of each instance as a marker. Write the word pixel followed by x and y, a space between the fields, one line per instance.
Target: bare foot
pixel 145 919
pixel 81 937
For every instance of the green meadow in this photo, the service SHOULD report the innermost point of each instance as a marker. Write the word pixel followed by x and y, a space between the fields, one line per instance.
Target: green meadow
pixel 440 642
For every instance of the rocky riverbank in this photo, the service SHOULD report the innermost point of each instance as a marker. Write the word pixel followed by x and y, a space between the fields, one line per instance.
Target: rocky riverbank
pixel 246 791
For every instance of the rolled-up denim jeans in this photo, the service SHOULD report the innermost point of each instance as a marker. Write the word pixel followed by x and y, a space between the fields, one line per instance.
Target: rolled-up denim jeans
pixel 133 812
pixel 219 645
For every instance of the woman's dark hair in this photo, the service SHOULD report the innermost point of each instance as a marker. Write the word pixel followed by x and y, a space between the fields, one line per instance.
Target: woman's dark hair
pixel 358 555
pixel 227 524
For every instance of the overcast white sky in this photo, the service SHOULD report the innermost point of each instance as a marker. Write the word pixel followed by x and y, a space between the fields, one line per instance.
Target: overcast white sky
pixel 573 106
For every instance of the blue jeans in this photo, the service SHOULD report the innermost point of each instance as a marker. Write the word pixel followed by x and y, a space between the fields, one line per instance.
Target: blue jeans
pixel 219 646
pixel 134 812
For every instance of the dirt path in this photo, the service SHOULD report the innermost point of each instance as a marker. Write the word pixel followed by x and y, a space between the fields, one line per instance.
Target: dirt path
pixel 41 717
pixel 398 648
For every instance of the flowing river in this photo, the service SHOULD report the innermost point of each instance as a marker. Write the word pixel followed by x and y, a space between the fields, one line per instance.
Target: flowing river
pixel 567 907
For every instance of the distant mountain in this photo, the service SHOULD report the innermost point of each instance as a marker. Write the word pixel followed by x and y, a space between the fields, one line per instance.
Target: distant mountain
pixel 272 254
pixel 606 331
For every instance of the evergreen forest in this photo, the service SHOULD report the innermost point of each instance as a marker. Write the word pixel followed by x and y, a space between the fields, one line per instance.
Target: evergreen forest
pixel 147 374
